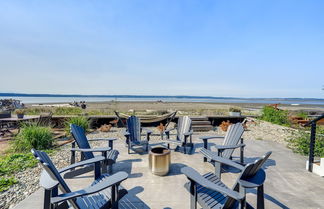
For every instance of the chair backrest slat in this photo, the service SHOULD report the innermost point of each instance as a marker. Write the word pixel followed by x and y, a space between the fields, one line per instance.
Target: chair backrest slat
pixel 232 137
pixel 81 140
pixel 256 166
pixel 183 126
pixel 50 168
pixel 134 128
pixel 249 171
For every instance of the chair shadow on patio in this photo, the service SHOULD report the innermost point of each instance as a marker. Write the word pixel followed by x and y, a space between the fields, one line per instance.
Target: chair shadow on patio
pixel 126 165
pixel 131 201
pixel 175 169
pixel 197 146
pixel 268 197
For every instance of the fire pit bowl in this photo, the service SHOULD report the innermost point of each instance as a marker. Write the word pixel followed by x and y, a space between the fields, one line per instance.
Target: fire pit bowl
pixel 159 160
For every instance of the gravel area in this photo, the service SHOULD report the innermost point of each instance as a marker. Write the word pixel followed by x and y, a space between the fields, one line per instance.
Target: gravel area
pixel 29 178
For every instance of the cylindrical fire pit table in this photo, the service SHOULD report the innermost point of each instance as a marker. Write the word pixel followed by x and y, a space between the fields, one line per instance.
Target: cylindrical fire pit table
pixel 159 160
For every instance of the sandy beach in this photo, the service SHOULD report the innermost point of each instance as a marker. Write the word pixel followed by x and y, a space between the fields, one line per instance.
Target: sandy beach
pixel 190 108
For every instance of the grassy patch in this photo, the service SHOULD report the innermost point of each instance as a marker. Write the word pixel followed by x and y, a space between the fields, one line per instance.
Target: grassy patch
pixel 38 110
pixel 11 164
pixel 15 162
pixel 6 183
pixel 67 111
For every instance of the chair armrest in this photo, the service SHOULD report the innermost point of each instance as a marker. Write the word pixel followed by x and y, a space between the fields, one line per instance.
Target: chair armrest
pixel 196 177
pixel 82 163
pixel 206 138
pixel 103 139
pixel 256 181
pixel 223 147
pixel 168 130
pixel 213 156
pixel 46 181
pixel 108 182
pixel 104 149
pixel 148 131
pixel 188 133
pixel 126 133
pixel 211 137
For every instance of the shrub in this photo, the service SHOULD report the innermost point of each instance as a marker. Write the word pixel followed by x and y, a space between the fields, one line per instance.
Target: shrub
pixel 80 121
pixel 6 183
pixel 275 116
pixel 32 136
pixel 300 143
pixel 234 109
pixel 67 111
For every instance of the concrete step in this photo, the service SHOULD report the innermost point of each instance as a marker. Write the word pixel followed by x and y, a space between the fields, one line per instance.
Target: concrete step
pixel 202 128
pixel 198 118
pixel 201 122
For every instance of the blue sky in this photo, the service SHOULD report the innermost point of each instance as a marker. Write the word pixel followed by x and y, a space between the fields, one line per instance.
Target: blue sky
pixel 213 48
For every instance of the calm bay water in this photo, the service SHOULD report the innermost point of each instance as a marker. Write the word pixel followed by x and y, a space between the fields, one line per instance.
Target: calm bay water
pixel 41 100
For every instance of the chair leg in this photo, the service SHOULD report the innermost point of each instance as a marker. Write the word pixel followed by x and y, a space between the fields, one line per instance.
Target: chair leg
pixel 193 195
pixel 105 163
pixel 47 199
pixel 242 191
pixel 206 147
pixel 218 169
pixel 260 197
pixel 73 155
pixel 242 153
pixel 110 168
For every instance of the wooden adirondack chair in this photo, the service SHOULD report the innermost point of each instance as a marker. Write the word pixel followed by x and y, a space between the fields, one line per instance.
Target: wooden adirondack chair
pixel 232 140
pixel 104 192
pixel 120 121
pixel 210 192
pixel 134 132
pixel 45 119
pixel 87 152
pixel 183 132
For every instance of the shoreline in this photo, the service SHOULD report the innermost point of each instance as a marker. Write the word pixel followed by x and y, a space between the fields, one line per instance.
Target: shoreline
pixel 156 105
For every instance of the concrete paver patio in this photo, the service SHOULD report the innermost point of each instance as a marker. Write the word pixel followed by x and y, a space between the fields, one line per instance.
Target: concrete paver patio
pixel 288 184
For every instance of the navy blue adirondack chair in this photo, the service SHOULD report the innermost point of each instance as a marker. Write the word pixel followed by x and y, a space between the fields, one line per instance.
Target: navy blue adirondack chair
pixel 232 140
pixel 104 192
pixel 133 134
pixel 184 131
pixel 87 152
pixel 210 192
